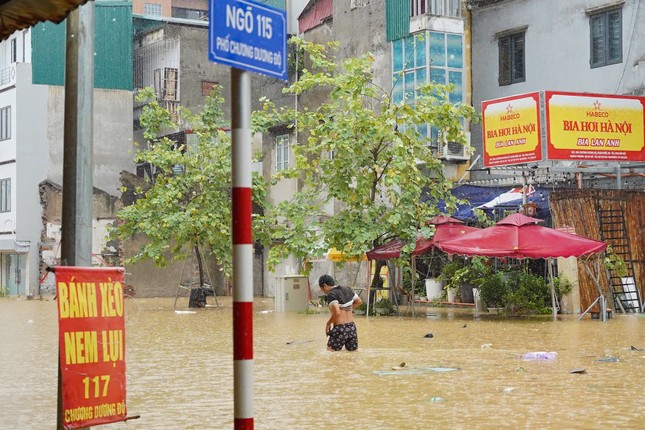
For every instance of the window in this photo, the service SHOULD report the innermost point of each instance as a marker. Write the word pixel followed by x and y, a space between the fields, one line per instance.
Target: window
pixel 435 7
pixel 606 38
pixel 165 83
pixel 429 56
pixel 511 59
pixel 5 123
pixel 181 12
pixel 281 152
pixel 5 195
pixel 152 9
pixel 14 50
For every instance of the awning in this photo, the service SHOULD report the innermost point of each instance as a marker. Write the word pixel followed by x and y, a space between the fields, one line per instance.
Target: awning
pixel 445 228
pixel 20 14
pixel 478 195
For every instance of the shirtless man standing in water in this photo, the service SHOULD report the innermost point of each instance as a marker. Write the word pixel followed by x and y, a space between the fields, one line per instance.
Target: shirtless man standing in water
pixel 340 327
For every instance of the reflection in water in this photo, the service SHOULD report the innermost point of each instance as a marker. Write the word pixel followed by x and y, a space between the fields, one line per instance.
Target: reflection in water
pixel 180 370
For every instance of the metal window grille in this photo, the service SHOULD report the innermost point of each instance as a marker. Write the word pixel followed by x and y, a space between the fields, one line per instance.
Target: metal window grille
pixel 436 7
pixel 156 65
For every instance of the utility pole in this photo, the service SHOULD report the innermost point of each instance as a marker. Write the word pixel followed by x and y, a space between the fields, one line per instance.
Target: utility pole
pixel 76 241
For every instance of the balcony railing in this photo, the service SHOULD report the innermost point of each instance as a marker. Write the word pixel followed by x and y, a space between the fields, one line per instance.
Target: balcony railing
pixel 8 75
pixel 436 7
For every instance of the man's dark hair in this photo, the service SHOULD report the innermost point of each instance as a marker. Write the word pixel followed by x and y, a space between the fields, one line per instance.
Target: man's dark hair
pixel 326 279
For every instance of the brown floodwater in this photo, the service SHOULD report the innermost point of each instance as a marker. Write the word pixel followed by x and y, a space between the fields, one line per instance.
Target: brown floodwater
pixel 469 375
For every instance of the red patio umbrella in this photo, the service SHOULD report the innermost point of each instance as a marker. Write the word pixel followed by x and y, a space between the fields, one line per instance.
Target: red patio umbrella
pixel 446 228
pixel 519 236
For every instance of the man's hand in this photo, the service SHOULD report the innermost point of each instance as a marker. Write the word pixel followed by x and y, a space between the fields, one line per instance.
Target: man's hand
pixel 328 328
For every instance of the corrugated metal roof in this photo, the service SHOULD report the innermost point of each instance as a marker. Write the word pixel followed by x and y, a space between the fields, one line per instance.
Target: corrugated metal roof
pixel 314 14
pixel 20 14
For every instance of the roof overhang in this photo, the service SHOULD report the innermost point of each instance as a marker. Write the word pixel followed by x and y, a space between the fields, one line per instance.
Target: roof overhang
pixel 20 14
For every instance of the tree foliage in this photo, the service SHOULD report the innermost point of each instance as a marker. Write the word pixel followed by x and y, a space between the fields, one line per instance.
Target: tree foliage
pixel 361 151
pixel 187 205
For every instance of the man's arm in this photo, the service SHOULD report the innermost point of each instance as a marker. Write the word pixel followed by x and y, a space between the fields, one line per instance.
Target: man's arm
pixel 357 301
pixel 334 309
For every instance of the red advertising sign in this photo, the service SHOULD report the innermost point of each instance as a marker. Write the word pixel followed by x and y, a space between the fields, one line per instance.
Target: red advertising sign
pixel 595 127
pixel 91 344
pixel 511 130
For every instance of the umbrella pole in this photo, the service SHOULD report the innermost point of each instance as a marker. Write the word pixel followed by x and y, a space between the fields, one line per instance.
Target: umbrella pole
pixel 369 284
pixel 553 309
pixel 413 282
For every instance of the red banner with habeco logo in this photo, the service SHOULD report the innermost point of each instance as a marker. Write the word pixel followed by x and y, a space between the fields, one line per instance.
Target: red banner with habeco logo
pixel 91 344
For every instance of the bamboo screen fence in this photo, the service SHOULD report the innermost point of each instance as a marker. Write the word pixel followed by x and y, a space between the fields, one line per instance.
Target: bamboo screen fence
pixel 578 209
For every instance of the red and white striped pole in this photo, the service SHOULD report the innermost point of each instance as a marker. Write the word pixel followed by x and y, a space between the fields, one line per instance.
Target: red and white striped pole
pixel 242 249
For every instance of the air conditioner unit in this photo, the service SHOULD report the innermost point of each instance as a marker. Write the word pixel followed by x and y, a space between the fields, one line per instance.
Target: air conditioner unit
pixel 455 151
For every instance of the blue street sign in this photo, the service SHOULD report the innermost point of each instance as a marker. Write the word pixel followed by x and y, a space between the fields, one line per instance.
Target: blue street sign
pixel 248 36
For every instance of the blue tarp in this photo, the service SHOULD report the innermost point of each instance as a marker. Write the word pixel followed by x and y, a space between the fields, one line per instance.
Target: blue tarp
pixel 478 195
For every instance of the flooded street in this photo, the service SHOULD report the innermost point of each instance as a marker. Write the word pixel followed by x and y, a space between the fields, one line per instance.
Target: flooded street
pixel 470 374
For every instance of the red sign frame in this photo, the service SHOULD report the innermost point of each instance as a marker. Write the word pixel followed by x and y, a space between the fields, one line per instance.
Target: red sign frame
pixel 594 127
pixel 91 344
pixel 512 130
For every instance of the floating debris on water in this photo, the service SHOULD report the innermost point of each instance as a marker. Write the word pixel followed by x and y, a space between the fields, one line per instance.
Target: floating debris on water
pixel 578 370
pixel 609 360
pixel 415 370
pixel 296 342
pixel 540 356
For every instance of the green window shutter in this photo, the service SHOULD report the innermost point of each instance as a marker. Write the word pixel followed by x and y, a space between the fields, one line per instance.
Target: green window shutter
pixel 397 17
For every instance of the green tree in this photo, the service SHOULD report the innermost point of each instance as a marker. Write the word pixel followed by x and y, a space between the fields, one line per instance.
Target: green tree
pixel 361 150
pixel 187 205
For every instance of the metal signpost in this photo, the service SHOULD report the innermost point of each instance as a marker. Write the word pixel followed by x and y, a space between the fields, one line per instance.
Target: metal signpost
pixel 249 37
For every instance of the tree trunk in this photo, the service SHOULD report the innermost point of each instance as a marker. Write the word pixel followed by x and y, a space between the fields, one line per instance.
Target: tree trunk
pixel 200 266
pixel 198 295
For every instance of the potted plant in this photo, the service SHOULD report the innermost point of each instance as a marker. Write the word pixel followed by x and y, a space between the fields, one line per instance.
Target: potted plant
pixel 462 276
pixel 516 292
pixel 383 307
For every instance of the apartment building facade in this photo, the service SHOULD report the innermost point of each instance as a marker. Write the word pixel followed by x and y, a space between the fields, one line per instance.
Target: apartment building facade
pixel 32 64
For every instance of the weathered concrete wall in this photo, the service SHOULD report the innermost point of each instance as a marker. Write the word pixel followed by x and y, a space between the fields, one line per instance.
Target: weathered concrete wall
pixel 112 137
pixel 105 207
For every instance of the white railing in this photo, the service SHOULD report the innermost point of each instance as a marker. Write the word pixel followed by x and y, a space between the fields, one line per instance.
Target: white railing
pixel 436 7
pixel 8 75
